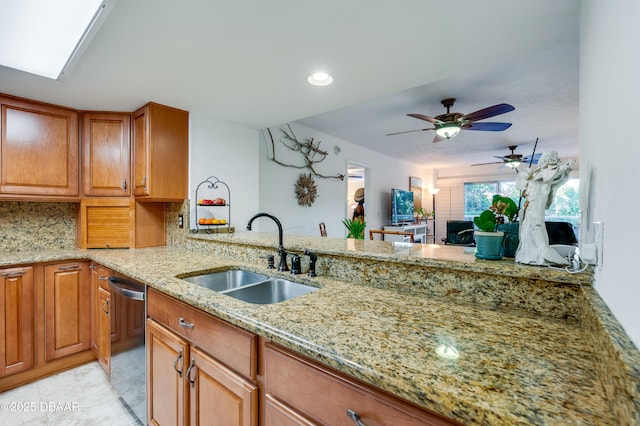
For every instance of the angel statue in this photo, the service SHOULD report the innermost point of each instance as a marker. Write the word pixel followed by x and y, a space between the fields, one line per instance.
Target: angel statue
pixel 538 188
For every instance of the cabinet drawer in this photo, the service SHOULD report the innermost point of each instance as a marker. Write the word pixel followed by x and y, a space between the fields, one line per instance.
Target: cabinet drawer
pixel 325 396
pixel 233 346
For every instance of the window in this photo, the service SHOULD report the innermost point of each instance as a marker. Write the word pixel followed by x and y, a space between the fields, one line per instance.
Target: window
pixel 565 208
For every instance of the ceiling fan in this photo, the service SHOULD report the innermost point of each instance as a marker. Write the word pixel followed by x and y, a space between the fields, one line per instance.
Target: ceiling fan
pixel 448 125
pixel 513 160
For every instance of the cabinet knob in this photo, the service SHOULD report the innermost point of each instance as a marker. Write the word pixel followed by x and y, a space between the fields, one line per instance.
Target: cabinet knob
pixel 175 364
pixel 182 323
pixel 105 307
pixel 68 268
pixel 355 417
pixel 191 366
pixel 13 274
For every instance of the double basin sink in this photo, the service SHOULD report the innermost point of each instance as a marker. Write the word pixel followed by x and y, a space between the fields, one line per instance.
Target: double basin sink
pixel 250 286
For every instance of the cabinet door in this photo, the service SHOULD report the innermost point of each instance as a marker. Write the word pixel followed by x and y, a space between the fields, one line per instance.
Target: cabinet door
pixel 99 278
pixel 167 362
pixel 106 155
pixel 277 413
pixel 104 325
pixel 67 309
pixel 140 152
pixel 16 321
pixel 218 396
pixel 39 149
pixel 161 153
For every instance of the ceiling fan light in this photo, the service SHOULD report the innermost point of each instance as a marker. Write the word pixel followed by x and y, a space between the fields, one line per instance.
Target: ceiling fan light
pixel 513 164
pixel 448 130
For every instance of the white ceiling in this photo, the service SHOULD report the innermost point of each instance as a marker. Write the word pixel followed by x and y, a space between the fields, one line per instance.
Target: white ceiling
pixel 247 61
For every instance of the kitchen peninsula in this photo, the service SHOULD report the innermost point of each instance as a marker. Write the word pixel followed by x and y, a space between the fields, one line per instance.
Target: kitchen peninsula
pixel 535 346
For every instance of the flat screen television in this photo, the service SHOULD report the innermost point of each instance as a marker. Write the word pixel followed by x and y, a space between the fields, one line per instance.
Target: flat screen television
pixel 401 207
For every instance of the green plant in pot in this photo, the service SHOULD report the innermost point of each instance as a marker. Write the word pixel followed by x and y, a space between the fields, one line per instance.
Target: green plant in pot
pixel 488 238
pixel 355 228
pixel 507 210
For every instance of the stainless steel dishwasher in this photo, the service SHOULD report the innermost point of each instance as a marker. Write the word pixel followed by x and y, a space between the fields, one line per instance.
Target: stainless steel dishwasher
pixel 128 359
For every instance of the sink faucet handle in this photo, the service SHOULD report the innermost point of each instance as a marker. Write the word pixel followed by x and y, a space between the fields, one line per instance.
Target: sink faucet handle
pixel 312 262
pixel 283 267
pixel 270 262
pixel 295 264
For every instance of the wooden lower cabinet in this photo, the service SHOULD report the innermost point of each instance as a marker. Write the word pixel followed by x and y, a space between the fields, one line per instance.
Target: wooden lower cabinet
pixel 16 320
pixel 187 386
pixel 299 391
pixel 67 309
pixel 276 412
pixel 189 380
pixel 217 395
pixel 104 327
pixel 166 384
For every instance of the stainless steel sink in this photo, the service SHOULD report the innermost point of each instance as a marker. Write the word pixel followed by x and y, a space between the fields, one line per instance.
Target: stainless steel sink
pixel 249 286
pixel 226 280
pixel 271 291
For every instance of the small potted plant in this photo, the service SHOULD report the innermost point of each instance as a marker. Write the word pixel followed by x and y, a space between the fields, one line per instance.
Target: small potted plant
pixel 355 228
pixel 488 238
pixel 506 208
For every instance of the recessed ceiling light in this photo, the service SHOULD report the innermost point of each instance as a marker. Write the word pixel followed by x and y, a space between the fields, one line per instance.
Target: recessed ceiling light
pixel 320 79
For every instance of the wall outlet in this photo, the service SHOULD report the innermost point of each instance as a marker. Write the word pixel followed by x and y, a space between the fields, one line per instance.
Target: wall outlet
pixel 180 221
pixel 598 239
pixel 589 253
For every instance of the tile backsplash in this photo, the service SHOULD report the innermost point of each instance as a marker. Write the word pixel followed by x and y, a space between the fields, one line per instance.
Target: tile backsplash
pixel 36 226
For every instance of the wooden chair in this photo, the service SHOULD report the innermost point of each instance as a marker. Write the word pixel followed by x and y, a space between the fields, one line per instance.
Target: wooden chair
pixel 323 230
pixel 380 231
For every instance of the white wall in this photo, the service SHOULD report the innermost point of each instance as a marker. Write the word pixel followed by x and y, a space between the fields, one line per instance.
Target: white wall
pixel 610 93
pixel 230 153
pixel 277 195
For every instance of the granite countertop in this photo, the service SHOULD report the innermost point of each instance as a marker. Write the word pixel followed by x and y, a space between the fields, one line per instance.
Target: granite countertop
pixel 513 368
pixel 437 255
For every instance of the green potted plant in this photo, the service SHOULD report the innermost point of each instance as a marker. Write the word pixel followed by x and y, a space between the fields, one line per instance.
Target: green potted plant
pixel 355 228
pixel 488 238
pixel 506 212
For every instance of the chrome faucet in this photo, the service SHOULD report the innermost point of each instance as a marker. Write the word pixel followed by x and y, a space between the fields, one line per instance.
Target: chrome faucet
pixel 281 252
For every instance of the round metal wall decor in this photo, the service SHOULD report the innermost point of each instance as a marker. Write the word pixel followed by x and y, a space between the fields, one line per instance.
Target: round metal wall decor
pixel 306 190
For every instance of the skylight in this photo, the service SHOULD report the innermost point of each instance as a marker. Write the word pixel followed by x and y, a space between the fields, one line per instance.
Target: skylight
pixel 42 36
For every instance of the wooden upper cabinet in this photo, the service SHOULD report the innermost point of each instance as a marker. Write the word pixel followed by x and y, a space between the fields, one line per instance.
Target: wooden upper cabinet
pixel 160 137
pixel 39 150
pixel 106 154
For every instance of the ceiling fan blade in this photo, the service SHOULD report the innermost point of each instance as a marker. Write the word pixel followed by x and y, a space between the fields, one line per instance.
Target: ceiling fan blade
pixel 484 164
pixel 425 118
pixel 527 159
pixel 491 111
pixel 487 127
pixel 409 131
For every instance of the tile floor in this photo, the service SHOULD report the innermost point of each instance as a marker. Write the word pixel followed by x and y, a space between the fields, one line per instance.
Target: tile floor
pixel 81 396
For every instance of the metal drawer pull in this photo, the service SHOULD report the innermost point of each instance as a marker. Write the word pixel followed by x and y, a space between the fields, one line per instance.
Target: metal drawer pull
pixel 105 307
pixel 191 366
pixel 68 268
pixel 124 185
pixel 103 277
pixel 175 364
pixel 13 274
pixel 355 417
pixel 182 323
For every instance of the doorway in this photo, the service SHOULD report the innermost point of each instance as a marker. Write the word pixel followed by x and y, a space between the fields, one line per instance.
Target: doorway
pixel 356 189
